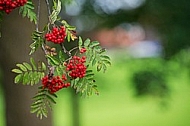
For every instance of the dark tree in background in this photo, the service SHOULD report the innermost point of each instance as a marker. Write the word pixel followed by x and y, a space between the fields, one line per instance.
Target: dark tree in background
pixel 16 38
pixel 171 18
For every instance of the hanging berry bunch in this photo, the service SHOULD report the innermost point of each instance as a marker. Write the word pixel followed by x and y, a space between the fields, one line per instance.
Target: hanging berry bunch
pixel 57 35
pixel 55 83
pixel 8 5
pixel 76 67
pixel 59 72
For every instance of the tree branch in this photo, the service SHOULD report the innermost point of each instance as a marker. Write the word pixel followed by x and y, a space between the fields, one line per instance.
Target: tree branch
pixel 65 50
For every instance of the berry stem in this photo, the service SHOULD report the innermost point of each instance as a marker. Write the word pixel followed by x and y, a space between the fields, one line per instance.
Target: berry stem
pixel 65 50
pixel 51 68
pixel 48 7
pixel 73 49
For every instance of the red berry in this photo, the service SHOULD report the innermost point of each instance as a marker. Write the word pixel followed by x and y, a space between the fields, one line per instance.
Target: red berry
pixel 76 67
pixel 57 35
pixel 55 83
pixel 8 5
pixel 82 50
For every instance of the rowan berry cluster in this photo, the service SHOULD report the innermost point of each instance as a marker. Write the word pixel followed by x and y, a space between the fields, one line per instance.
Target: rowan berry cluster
pixel 57 35
pixel 55 83
pixel 8 5
pixel 76 67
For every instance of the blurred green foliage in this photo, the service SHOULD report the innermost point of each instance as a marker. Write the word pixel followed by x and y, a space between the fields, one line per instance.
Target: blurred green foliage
pixel 149 82
pixel 118 103
pixel 2 108
pixel 171 18
pixel 2 102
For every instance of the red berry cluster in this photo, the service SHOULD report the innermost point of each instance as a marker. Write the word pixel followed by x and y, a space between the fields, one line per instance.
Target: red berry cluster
pixel 83 50
pixel 9 5
pixel 57 35
pixel 55 83
pixel 76 66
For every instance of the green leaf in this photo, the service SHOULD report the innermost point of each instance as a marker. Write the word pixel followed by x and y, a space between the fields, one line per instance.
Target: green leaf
pixel 40 113
pixel 36 104
pixel 22 67
pixel 61 56
pixel 41 75
pixel 34 110
pixel 80 42
pixel 37 34
pixel 104 67
pixel 93 44
pixel 51 99
pixel 99 67
pixel 44 113
pixel 59 70
pixel 94 61
pixel 85 86
pixel 28 73
pixel 39 95
pixel 54 95
pixel 37 41
pixel 43 66
pixel 68 36
pixel 90 76
pixel 27 65
pixel 42 102
pixel 105 57
pixel 28 10
pixel 87 42
pixel 107 62
pixel 16 71
pixel 53 61
pixel 18 78
pixel 56 10
pixel 33 63
pixel 26 78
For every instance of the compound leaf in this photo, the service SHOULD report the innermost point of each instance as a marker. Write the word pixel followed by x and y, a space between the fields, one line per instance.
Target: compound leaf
pixel 42 101
pixel 28 10
pixel 29 74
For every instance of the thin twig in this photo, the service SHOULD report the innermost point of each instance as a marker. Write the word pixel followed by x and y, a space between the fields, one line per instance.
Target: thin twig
pixel 65 50
pixel 51 68
pixel 48 7
pixel 38 15
pixel 73 49
pixel 37 24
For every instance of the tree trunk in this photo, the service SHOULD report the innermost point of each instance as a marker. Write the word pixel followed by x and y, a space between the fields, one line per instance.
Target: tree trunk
pixel 16 38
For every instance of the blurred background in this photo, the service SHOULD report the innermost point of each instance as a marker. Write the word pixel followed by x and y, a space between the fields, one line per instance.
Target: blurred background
pixel 149 80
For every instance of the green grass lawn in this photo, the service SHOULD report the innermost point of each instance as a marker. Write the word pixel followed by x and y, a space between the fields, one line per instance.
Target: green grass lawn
pixel 117 106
